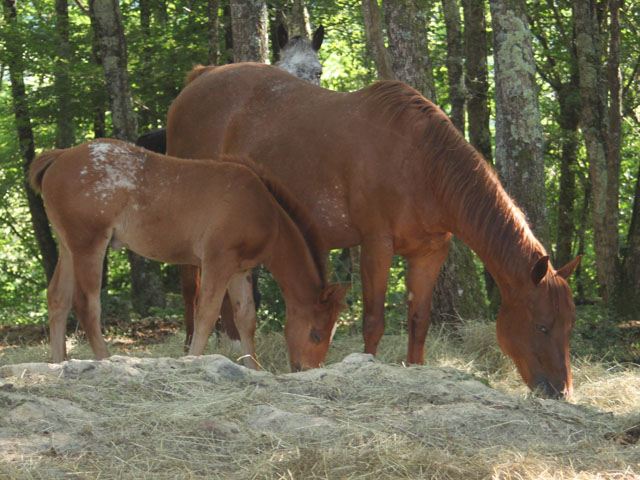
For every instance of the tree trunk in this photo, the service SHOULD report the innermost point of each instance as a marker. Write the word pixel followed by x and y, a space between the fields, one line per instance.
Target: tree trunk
pixel 14 54
pixel 65 137
pixel 408 44
pixel 375 39
pixel 299 20
pixel 250 29
pixel 451 12
pixel 146 279
pixel 519 146
pixel 630 282
pixel 146 91
pixel 594 124
pixel 476 79
pixel 213 30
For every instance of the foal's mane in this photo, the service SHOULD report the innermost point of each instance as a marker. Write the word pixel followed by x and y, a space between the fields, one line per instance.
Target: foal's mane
pixel 294 209
pixel 465 183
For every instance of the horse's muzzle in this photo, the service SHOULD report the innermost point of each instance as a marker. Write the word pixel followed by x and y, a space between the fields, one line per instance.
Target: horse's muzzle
pixel 546 389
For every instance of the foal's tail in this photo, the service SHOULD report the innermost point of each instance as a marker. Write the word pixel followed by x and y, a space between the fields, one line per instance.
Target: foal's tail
pixel 39 165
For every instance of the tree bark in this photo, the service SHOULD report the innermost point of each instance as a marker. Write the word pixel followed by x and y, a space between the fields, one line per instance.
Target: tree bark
pixel 375 39
pixel 65 137
pixel 213 30
pixel 250 29
pixel 630 282
pixel 299 20
pixel 408 44
pixel 146 279
pixel 594 125
pixel 451 12
pixel 519 146
pixel 14 55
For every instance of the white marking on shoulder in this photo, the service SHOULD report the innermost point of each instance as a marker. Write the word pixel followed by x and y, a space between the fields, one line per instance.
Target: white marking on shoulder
pixel 117 167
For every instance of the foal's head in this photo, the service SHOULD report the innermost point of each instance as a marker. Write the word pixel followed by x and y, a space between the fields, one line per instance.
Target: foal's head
pixel 534 328
pixel 299 56
pixel 309 336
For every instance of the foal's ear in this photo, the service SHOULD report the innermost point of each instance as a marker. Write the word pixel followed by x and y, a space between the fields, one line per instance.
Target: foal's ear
pixel 318 36
pixel 540 269
pixel 566 271
pixel 283 36
pixel 334 292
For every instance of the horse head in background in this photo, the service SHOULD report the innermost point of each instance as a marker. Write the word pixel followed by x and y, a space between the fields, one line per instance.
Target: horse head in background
pixel 299 56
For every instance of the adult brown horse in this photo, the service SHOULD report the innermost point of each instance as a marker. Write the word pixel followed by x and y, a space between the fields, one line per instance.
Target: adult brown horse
pixel 384 168
pixel 220 216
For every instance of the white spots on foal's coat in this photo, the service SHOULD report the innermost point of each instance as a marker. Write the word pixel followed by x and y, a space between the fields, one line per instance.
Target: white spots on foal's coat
pixel 329 206
pixel 115 167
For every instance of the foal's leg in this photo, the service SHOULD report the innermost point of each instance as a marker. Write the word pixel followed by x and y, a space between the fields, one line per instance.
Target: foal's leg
pixel 244 309
pixel 375 262
pixel 212 289
pixel 59 296
pixel 190 280
pixel 421 279
pixel 87 270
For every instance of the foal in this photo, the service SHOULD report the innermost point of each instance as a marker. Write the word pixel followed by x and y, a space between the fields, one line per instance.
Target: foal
pixel 221 216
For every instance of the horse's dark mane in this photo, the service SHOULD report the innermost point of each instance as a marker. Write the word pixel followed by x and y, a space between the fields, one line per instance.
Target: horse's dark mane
pixel 296 211
pixel 458 175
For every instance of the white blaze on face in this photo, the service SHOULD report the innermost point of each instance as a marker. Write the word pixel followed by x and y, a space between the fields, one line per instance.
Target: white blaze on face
pixel 115 166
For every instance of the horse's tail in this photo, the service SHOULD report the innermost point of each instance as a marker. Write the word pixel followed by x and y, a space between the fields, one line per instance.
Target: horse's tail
pixel 196 72
pixel 39 165
pixel 293 208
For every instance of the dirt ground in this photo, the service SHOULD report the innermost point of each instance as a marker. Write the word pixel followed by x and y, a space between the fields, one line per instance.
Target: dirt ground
pixel 170 416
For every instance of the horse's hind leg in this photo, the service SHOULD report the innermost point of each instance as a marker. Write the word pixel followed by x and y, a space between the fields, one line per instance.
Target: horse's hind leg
pixel 59 296
pixel 190 280
pixel 241 294
pixel 87 269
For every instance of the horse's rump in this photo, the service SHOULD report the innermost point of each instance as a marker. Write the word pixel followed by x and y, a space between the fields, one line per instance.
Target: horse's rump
pixel 39 165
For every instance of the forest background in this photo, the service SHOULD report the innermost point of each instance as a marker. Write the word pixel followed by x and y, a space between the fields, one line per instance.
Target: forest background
pixel 547 90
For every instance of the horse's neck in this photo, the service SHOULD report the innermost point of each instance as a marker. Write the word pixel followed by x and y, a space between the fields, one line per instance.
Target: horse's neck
pixel 485 218
pixel 293 266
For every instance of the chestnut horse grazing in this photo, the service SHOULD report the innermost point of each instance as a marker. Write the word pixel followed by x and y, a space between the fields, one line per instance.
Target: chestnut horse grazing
pixel 384 168
pixel 218 215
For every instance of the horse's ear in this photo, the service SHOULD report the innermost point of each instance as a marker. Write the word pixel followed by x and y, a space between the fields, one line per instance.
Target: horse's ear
pixel 334 292
pixel 540 269
pixel 318 37
pixel 283 36
pixel 566 271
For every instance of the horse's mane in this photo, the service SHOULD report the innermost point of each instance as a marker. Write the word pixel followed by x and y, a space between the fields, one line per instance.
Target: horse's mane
pixel 294 209
pixel 457 173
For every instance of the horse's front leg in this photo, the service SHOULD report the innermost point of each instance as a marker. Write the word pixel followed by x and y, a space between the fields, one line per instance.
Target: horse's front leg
pixel 244 309
pixel 375 261
pixel 422 275
pixel 190 281
pixel 212 289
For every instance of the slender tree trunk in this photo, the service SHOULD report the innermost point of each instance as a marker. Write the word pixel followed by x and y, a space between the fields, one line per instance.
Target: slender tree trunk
pixel 477 74
pixel 519 146
pixel 594 124
pixel 477 87
pixel 250 29
pixel 65 137
pixel 375 39
pixel 299 20
pixel 454 62
pixel 213 22
pixel 146 79
pixel 408 44
pixel 630 283
pixel 146 280
pixel 14 54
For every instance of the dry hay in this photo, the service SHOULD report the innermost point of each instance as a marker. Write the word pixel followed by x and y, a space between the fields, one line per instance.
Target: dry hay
pixel 464 415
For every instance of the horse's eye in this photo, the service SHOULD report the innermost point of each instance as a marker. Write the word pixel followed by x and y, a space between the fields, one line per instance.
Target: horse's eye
pixel 542 329
pixel 315 336
pixel 318 74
